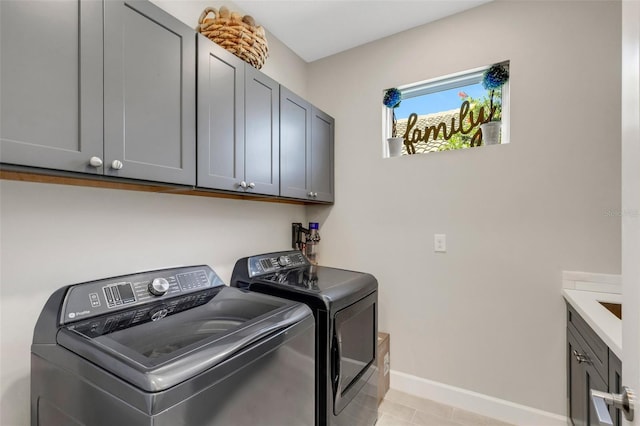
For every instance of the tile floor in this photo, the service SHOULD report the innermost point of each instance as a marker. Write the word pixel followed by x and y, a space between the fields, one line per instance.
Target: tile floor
pixel 401 409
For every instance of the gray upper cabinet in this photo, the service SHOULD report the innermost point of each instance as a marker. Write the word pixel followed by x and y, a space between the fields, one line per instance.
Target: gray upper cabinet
pixel 51 80
pixel 322 141
pixel 220 117
pixel 100 87
pixel 238 124
pixel 109 88
pixel 262 132
pixel 295 138
pixel 306 150
pixel 149 91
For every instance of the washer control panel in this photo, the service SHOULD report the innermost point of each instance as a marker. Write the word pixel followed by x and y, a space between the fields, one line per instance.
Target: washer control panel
pixel 118 320
pixel 95 298
pixel 273 262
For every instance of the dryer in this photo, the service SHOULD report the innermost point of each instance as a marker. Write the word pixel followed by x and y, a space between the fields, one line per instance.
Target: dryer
pixel 345 306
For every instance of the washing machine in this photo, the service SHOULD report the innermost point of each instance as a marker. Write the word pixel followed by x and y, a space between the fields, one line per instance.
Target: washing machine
pixel 171 347
pixel 345 307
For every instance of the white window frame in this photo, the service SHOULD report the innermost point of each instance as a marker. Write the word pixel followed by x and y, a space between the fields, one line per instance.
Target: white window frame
pixel 440 84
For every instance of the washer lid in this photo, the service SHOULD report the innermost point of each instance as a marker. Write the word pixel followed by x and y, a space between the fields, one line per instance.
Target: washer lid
pixel 161 353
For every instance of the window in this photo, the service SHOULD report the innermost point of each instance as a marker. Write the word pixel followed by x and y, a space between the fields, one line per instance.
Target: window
pixel 447 113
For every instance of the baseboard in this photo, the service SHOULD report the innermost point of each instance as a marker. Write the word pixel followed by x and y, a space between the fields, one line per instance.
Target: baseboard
pixel 485 405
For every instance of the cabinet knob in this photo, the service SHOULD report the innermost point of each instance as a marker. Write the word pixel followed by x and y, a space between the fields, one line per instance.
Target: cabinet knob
pixel 252 185
pixel 243 185
pixel 95 162
pixel 581 357
pixel 116 164
pixel 310 194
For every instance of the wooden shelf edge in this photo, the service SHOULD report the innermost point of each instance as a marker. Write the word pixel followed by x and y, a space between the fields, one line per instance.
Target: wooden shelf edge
pixel 141 187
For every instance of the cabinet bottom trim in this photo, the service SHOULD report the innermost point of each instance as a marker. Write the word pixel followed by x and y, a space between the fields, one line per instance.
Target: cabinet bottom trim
pixel 99 181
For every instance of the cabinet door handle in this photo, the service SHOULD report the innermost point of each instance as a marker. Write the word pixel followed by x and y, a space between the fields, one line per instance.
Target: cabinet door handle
pixel 95 162
pixel 252 185
pixel 581 357
pixel 116 164
pixel 243 185
pixel 310 194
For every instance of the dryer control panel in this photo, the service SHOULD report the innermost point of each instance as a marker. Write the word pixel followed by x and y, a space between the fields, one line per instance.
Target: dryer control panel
pixel 100 297
pixel 273 262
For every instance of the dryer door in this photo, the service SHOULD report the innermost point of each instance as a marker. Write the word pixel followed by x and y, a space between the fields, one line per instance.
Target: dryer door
pixel 354 351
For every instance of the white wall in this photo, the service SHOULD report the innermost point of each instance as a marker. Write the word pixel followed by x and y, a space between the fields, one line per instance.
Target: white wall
pixel 488 315
pixel 282 65
pixel 52 235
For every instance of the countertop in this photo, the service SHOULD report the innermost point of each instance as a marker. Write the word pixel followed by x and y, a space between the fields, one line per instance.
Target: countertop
pixel 583 291
pixel 603 322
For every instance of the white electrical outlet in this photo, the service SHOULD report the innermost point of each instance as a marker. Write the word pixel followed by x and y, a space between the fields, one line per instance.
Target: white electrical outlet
pixel 440 243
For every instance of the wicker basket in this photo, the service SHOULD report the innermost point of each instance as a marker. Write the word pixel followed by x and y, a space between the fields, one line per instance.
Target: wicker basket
pixel 237 34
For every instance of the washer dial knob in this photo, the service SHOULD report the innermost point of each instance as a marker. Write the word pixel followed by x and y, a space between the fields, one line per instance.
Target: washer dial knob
pixel 158 286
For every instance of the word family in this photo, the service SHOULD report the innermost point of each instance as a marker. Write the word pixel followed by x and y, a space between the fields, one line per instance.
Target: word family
pixel 465 123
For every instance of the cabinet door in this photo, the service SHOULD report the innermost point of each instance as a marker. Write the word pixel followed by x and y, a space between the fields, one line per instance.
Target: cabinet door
pixel 615 385
pixel 51 79
pixel 322 137
pixel 295 136
pixel 262 132
pixel 595 382
pixel 149 86
pixel 220 117
pixel 582 377
pixel 576 384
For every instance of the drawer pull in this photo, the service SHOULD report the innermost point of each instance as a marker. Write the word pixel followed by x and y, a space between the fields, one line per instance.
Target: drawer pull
pixel 581 357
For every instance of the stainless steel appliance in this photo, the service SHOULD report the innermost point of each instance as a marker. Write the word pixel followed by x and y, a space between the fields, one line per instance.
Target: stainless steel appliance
pixel 171 347
pixel 344 304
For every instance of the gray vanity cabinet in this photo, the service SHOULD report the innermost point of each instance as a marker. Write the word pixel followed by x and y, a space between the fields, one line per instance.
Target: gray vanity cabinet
pixel 149 90
pixel 51 80
pixel 306 149
pixel 590 365
pixel 238 124
pixel 98 87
